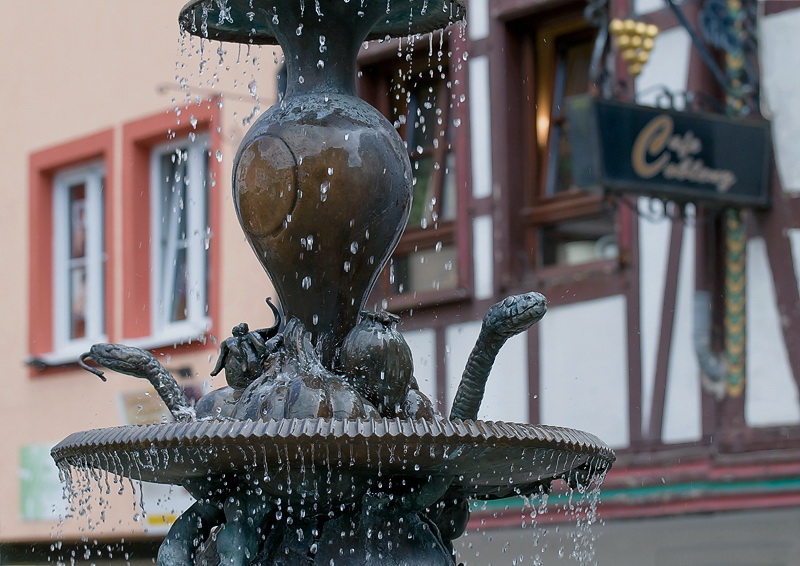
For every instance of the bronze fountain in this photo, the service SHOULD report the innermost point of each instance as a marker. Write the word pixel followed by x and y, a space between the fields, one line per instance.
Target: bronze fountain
pixel 322 449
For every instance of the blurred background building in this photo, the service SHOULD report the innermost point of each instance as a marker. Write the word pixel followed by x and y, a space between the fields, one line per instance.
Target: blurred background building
pixel 673 330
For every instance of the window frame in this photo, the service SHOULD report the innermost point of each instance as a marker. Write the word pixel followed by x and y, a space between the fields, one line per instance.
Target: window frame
pixel 378 65
pixel 197 321
pixel 43 167
pixel 139 140
pixel 93 177
pixel 538 49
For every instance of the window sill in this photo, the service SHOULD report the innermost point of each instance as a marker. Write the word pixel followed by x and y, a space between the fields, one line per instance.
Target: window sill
pixel 175 335
pixel 425 299
pixel 553 275
pixel 64 356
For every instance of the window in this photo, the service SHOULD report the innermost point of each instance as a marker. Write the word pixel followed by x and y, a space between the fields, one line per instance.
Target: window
pixel 69 232
pixel 180 237
pixel 426 260
pixel 564 225
pixel 417 97
pixel 170 272
pixel 79 259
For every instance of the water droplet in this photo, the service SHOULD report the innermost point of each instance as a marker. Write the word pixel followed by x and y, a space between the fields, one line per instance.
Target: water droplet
pixel 306 283
pixel 354 247
pixel 299 30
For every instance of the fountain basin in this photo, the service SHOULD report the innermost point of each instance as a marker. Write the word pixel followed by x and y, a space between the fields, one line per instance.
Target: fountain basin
pixel 487 460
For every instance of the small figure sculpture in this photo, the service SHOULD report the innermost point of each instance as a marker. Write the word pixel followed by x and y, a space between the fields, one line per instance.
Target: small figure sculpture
pixel 243 355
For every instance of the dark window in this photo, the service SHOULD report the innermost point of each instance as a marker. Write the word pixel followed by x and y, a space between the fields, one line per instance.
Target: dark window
pixel 417 97
pixel 563 224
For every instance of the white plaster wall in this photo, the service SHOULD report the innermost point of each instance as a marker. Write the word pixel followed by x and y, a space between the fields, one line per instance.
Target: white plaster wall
pixel 683 410
pixel 668 65
pixel 584 369
pixel 653 250
pixel 459 340
pixel 771 393
pixel 645 6
pixel 483 256
pixel 480 127
pixel 478 19
pixel 423 349
pixel 779 49
pixel 506 396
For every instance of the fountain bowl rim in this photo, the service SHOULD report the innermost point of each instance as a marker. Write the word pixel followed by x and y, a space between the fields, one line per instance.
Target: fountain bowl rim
pixel 437 14
pixel 439 446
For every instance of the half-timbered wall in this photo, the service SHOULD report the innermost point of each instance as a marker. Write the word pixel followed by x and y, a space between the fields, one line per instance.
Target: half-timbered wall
pixel 616 353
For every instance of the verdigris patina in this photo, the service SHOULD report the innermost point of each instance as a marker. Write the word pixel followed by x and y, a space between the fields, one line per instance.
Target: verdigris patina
pixel 321 449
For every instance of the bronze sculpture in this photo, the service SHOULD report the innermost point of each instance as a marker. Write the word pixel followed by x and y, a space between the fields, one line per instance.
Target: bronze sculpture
pixel 322 438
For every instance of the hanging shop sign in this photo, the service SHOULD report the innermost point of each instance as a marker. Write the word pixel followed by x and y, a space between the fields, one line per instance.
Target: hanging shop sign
pixel 671 155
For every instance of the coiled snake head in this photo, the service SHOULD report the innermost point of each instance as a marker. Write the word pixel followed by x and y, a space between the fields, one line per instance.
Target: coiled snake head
pixel 515 314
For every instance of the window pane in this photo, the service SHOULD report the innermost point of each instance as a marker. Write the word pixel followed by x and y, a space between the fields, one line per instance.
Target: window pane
pixel 421 206
pixel 578 241
pixel 424 113
pixel 449 189
pixel 180 286
pixel 571 78
pixel 180 253
pixel 426 134
pixel 426 270
pixel 77 220
pixel 173 228
pixel 77 302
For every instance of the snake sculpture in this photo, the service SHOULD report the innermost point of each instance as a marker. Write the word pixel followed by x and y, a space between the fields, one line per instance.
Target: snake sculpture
pixel 509 317
pixel 256 361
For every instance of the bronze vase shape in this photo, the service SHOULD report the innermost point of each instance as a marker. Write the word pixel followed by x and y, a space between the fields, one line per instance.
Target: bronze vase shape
pixel 322 181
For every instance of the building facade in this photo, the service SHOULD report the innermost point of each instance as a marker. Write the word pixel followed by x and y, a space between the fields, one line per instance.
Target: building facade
pixel 119 188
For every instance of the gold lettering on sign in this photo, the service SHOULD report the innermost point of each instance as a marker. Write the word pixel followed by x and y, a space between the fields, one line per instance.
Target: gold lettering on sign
pixel 657 149
pixel 652 140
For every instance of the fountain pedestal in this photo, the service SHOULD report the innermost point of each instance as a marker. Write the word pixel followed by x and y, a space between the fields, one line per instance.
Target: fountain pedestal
pixel 322 450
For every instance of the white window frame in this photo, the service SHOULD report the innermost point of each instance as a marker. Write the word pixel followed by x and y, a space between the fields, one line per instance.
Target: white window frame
pixel 197 321
pixel 92 176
